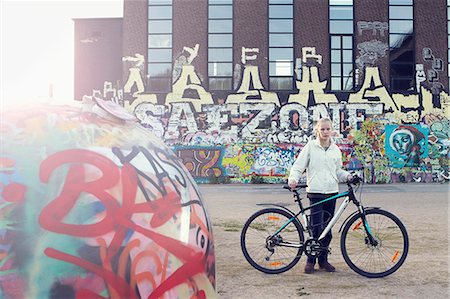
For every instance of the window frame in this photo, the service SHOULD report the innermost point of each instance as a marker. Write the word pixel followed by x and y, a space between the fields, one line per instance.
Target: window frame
pixel 342 49
pixel 216 81
pixel 164 79
pixel 396 79
pixel 275 81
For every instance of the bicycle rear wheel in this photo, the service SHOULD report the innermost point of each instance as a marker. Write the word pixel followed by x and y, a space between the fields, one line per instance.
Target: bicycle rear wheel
pixel 375 261
pixel 267 252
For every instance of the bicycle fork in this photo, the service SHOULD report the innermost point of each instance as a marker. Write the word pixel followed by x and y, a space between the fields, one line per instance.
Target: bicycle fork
pixel 372 240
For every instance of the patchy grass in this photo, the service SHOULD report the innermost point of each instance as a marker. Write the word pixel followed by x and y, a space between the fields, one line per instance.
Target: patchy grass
pixel 258 226
pixel 230 226
pixel 301 292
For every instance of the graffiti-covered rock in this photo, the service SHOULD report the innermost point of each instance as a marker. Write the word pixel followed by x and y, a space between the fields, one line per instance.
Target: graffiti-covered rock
pixel 95 206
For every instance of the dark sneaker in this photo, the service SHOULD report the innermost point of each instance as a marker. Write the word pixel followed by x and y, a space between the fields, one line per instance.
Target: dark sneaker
pixel 327 267
pixel 309 268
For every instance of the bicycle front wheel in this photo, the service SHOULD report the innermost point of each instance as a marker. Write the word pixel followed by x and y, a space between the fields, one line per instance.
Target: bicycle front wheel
pixel 269 251
pixel 378 260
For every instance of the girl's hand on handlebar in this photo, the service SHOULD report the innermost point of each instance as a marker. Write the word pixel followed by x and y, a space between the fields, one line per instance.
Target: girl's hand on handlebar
pixel 353 179
pixel 292 184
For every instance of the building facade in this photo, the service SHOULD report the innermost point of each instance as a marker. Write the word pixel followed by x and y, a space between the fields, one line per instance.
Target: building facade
pixel 235 86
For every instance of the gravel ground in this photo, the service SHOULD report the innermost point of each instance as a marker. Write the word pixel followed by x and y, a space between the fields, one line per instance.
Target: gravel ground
pixel 423 208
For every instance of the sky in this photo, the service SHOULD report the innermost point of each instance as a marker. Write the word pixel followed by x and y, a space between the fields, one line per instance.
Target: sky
pixel 37 45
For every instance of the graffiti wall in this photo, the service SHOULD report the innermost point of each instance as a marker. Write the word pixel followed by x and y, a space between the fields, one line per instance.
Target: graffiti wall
pixel 94 206
pixel 253 134
pixel 406 145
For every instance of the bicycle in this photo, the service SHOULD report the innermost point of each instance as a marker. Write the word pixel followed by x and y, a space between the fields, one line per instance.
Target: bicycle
pixel 374 242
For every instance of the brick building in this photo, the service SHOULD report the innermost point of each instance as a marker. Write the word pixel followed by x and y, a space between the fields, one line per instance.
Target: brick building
pixel 235 86
pixel 293 25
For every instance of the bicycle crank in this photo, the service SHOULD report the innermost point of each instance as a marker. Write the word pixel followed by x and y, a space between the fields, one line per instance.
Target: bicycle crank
pixel 313 248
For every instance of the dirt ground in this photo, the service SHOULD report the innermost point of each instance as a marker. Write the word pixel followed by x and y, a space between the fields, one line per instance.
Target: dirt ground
pixel 423 208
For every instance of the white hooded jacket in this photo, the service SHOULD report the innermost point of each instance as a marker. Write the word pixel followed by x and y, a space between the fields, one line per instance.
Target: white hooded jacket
pixel 323 168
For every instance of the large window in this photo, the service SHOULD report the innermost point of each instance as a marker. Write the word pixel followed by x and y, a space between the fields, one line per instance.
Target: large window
pixel 341 39
pixel 220 44
pixel 401 45
pixel 281 44
pixel 159 76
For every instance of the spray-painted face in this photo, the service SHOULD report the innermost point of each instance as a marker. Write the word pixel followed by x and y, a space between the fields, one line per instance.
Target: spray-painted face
pixel 402 143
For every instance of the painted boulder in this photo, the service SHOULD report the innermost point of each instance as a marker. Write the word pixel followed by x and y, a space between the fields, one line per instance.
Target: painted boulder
pixel 94 206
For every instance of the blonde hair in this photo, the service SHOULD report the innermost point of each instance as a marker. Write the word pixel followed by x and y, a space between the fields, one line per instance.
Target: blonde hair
pixel 321 121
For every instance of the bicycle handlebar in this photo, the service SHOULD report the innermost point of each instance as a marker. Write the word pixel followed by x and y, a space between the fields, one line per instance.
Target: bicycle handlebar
pixel 355 180
pixel 298 187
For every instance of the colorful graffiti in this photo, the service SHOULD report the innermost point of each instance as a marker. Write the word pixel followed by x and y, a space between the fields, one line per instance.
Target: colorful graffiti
pixel 201 162
pixel 94 206
pixel 253 117
pixel 406 145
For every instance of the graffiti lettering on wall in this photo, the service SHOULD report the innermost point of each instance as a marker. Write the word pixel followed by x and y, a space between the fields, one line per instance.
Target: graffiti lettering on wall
pixel 135 75
pixel 375 26
pixel 190 115
pixel 180 114
pixel 432 76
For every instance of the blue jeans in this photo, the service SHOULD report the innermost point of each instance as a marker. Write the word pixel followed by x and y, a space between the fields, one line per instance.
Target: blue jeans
pixel 320 216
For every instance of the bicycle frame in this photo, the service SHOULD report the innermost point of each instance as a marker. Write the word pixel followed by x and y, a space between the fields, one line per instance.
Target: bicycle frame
pixel 349 196
pixel 336 216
